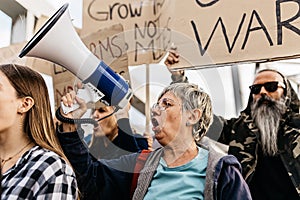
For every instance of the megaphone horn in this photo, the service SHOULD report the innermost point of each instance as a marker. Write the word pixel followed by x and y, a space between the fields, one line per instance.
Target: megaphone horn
pixel 57 41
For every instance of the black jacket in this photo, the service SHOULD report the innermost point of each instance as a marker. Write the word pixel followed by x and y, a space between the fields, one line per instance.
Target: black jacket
pixel 241 134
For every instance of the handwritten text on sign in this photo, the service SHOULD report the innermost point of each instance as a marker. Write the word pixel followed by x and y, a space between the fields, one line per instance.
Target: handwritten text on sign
pixel 206 32
pixel 145 26
pixel 108 44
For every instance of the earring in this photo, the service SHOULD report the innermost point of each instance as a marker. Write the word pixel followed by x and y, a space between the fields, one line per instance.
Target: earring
pixel 187 124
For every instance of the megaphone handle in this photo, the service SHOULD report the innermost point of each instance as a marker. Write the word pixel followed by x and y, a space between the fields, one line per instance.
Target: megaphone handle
pixel 67 109
pixel 63 119
pixel 88 93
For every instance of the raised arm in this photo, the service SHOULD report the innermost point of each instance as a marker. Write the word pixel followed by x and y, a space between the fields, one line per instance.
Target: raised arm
pixel 176 75
pixel 97 179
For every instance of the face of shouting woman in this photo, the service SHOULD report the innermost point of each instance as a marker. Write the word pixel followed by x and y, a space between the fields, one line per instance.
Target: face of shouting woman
pixel 167 118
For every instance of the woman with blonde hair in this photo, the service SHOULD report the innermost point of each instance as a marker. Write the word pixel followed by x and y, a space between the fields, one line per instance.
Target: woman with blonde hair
pixel 33 164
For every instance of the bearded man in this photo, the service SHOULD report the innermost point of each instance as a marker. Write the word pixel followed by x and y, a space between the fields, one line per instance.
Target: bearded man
pixel 265 138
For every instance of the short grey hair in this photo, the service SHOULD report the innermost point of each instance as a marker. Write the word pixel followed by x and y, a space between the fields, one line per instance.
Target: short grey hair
pixel 193 97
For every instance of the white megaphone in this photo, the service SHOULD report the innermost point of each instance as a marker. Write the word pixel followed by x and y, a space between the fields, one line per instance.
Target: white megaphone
pixel 57 41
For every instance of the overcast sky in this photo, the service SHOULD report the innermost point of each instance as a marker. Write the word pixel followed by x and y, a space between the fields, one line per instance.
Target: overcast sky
pixel 5 22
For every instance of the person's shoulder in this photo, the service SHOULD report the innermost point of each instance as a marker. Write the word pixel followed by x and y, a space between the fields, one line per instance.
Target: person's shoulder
pixel 49 157
pixel 293 120
pixel 213 146
pixel 49 162
pixel 218 152
pixel 294 115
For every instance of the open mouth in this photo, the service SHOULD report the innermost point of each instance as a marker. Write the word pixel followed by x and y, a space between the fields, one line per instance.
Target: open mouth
pixel 155 127
pixel 266 102
pixel 154 122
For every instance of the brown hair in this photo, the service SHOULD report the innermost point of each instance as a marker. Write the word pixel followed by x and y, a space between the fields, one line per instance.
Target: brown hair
pixel 38 122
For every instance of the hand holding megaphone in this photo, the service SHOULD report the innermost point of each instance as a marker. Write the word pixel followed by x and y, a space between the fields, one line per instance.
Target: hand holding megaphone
pixel 75 106
pixel 88 93
pixel 58 42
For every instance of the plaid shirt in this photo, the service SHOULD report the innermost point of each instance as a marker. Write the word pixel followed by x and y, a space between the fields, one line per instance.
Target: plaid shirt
pixel 39 174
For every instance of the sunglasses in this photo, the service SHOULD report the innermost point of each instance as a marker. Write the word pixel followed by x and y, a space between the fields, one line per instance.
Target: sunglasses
pixel 269 86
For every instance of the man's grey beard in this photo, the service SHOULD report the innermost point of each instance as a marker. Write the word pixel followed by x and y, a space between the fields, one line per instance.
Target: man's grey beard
pixel 267 114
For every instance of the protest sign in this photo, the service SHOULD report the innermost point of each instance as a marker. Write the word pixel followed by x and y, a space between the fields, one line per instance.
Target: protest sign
pixel 206 33
pixel 145 25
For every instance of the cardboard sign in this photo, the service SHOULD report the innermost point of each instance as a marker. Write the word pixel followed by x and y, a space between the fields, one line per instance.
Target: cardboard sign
pixel 145 25
pixel 206 33
pixel 63 82
pixel 226 32
pixel 10 54
pixel 108 44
